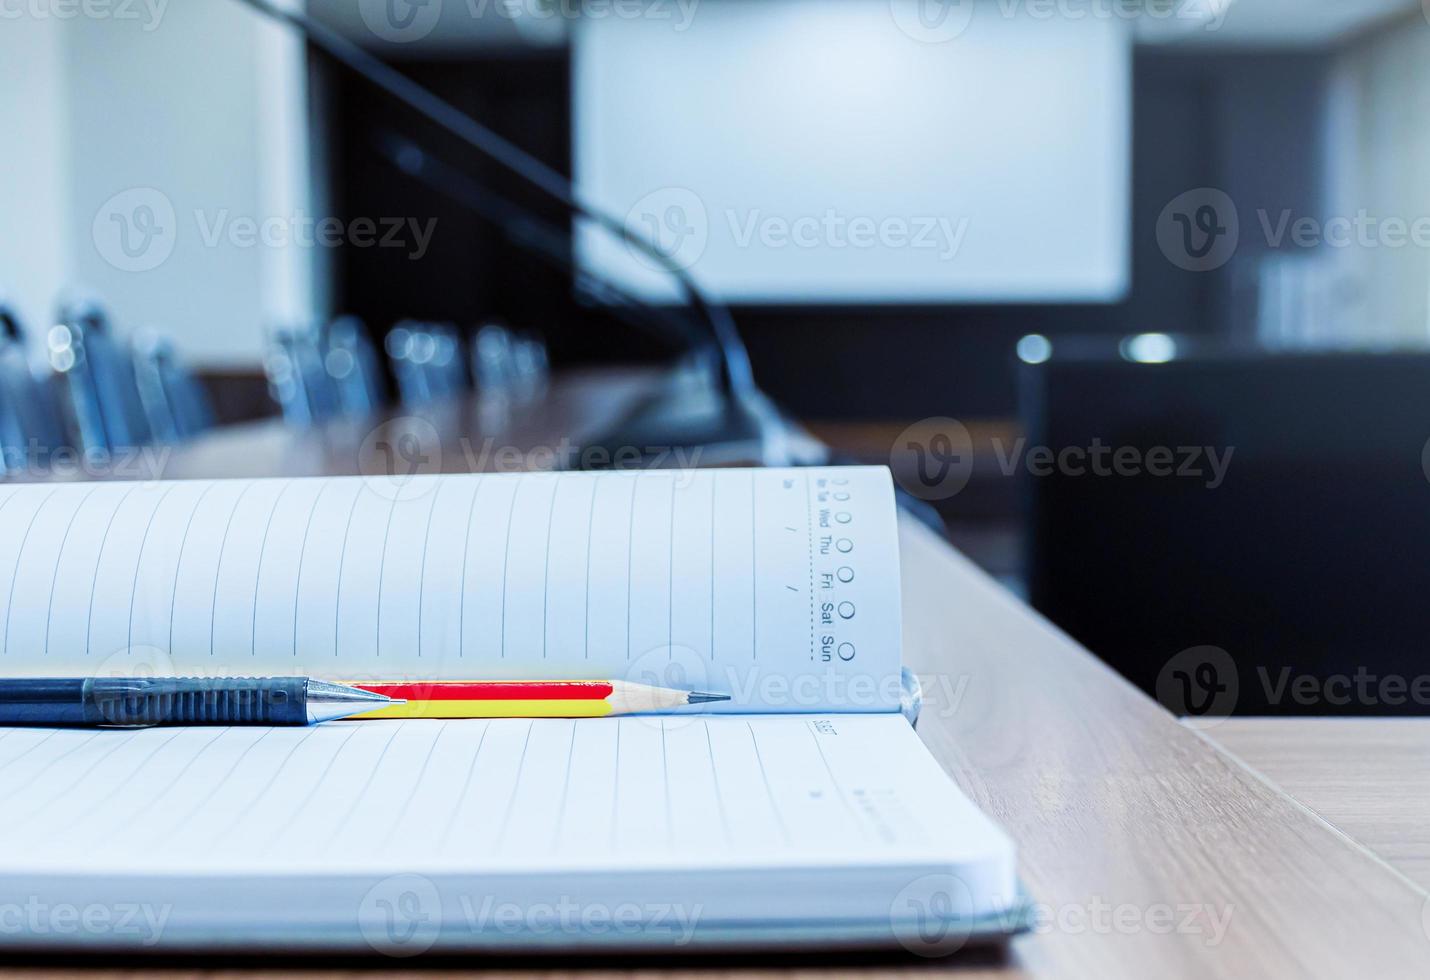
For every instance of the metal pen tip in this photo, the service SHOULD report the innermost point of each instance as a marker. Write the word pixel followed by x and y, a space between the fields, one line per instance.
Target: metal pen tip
pixel 698 697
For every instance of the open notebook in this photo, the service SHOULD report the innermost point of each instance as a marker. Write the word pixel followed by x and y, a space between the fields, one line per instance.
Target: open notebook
pixel 805 810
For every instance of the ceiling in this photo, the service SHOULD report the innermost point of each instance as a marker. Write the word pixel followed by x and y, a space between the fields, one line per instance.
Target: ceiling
pixel 1270 23
pixel 436 25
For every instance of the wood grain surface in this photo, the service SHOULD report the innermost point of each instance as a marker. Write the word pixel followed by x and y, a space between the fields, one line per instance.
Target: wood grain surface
pixel 1368 777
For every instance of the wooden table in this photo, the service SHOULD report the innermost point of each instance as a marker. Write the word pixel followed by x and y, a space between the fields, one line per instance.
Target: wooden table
pixel 1367 777
pixel 1150 852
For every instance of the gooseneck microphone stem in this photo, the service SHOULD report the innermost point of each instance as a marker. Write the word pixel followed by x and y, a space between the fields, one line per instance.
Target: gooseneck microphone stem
pixel 735 375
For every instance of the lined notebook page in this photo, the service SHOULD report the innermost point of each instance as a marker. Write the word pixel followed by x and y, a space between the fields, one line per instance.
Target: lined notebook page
pixel 475 795
pixel 779 587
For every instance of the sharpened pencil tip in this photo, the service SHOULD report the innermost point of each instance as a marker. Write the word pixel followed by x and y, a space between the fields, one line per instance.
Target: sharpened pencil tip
pixel 697 697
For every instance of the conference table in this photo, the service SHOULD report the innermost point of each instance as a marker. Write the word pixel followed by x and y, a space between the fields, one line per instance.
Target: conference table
pixel 1148 849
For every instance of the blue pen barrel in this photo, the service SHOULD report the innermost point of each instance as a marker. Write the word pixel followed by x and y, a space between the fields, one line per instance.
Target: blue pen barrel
pixel 136 702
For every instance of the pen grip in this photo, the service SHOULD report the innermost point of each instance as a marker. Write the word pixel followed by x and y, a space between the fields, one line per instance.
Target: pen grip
pixel 196 701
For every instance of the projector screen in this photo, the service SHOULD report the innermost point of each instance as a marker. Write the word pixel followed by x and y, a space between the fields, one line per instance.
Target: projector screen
pixel 858 151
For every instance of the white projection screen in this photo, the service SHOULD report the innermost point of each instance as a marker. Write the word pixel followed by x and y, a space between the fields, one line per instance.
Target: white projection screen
pixel 858 151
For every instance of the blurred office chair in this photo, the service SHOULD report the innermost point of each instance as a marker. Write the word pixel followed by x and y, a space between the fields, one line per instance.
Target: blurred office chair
pixel 1309 555
pixel 31 424
pixel 298 379
pixel 175 404
pixel 427 362
pixel 351 363
pixel 95 373
pixel 502 361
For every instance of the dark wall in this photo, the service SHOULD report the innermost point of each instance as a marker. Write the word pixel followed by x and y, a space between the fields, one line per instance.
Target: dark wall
pixel 1247 123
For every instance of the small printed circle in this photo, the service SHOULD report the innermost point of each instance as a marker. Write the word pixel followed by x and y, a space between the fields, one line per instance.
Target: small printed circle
pixel 1199 685
pixel 401 916
pixel 1199 230
pixel 843 517
pixel 845 574
pixel 846 610
pixel 400 21
pixel 845 651
pixel 844 545
pixel 135 230
pixel 840 481
pixel 397 454
pixel 932 21
pixel 933 458
pixel 841 496
pixel 933 916
pixel 673 220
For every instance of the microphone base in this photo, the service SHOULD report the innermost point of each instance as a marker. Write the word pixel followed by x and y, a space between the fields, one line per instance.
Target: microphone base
pixel 686 423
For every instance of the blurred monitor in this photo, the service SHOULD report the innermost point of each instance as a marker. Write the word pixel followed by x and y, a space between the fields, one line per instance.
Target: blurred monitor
pixel 1299 550
pixel 797 151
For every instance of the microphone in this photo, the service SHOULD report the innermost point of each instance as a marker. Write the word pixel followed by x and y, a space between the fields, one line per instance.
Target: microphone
pixel 738 413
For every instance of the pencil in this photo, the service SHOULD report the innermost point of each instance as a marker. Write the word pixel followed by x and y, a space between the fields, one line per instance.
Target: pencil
pixel 528 699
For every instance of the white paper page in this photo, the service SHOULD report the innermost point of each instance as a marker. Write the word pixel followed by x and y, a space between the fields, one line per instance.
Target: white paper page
pixel 778 587
pixel 475 797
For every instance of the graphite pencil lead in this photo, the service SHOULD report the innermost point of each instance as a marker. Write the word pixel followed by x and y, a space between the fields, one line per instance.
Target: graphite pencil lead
pixel 697 697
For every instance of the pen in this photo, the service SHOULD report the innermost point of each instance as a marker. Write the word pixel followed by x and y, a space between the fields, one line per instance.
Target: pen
pixel 132 702
pixel 529 699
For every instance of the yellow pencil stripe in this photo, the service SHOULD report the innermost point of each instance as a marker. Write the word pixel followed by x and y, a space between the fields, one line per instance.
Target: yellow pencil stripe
pixel 585 708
